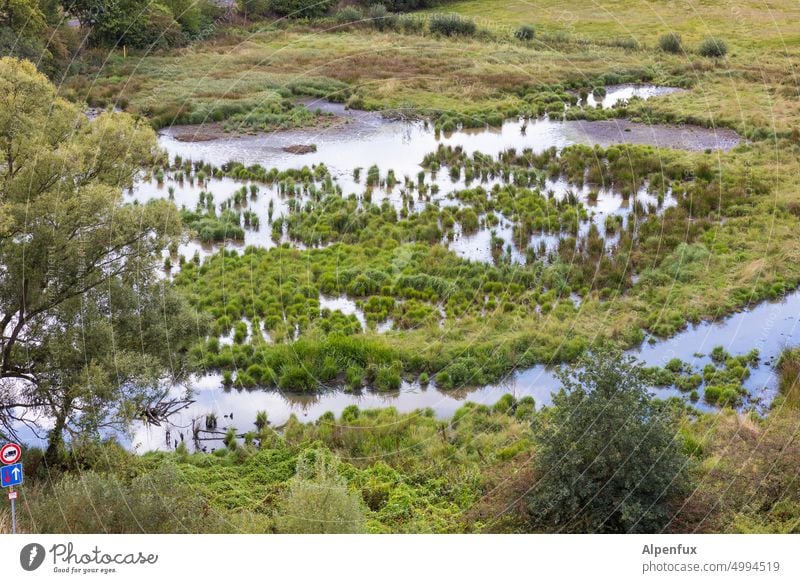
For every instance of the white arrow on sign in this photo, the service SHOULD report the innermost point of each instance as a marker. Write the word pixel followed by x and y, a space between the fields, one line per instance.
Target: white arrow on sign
pixel 15 471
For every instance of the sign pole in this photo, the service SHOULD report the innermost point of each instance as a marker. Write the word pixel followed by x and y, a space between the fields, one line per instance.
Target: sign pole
pixel 13 515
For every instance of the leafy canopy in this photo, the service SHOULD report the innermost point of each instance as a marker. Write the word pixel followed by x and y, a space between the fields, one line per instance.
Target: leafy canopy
pixel 608 456
pixel 90 334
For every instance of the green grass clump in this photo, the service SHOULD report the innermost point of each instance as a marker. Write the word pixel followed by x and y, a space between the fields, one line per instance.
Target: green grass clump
pixel 525 33
pixel 670 43
pixel 713 48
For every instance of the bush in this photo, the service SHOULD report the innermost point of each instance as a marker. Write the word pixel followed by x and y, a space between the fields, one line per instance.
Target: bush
pixel 318 499
pixel 91 502
pixel 713 48
pixel 525 33
pixel 670 43
pixel 411 23
pixel 380 18
pixel 300 8
pixel 349 15
pixel 614 445
pixel 253 7
pixel 451 25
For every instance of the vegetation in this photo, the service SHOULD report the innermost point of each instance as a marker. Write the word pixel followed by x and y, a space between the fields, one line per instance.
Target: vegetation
pixel 142 24
pixel 607 456
pixel 713 47
pixel 670 43
pixel 318 500
pixel 93 336
pixel 102 316
pixel 391 472
pixel 36 30
pixel 451 25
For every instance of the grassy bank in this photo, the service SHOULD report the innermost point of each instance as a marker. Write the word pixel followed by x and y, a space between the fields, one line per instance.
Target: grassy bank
pixel 403 473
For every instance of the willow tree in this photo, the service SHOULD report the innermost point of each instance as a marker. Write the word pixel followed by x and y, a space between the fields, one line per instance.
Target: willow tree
pixel 92 337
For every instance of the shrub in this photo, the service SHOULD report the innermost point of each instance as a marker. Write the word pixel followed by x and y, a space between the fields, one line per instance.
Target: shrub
pixel 411 23
pixel 253 7
pixel 318 499
pixel 583 443
pixel 90 502
pixel 713 48
pixel 300 8
pixel 349 15
pixel 670 43
pixel 380 18
pixel 525 33
pixel 451 25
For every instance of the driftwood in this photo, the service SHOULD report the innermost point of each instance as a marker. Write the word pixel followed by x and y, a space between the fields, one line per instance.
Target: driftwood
pixel 159 412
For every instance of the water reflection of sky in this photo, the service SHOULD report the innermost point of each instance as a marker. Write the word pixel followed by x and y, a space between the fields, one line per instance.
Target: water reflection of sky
pixel 769 327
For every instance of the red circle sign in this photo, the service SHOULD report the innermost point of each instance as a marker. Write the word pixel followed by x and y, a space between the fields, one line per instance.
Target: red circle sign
pixel 10 453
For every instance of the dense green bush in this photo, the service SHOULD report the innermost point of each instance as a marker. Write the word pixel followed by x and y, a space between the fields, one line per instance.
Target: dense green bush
pixel 670 43
pixel 713 48
pixel 251 8
pixel 92 502
pixel 615 445
pixel 144 24
pixel 380 18
pixel 300 8
pixel 349 15
pixel 525 33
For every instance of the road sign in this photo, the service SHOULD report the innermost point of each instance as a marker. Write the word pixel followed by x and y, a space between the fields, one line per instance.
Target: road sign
pixel 10 453
pixel 12 495
pixel 11 475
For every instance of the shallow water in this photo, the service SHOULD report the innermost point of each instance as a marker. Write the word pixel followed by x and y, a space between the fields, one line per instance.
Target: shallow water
pixel 400 145
pixel 769 327
pixel 618 93
pixel 370 139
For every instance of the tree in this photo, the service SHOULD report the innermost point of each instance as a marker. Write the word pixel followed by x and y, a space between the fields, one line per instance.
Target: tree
pixel 300 8
pixel 134 23
pixel 91 335
pixel 608 457
pixel 318 500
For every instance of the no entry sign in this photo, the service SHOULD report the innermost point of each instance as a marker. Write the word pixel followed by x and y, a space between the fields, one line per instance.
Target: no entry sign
pixel 10 453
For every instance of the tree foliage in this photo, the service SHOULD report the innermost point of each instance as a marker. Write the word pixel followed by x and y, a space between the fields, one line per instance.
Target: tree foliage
pixel 142 23
pixel 90 334
pixel 608 457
